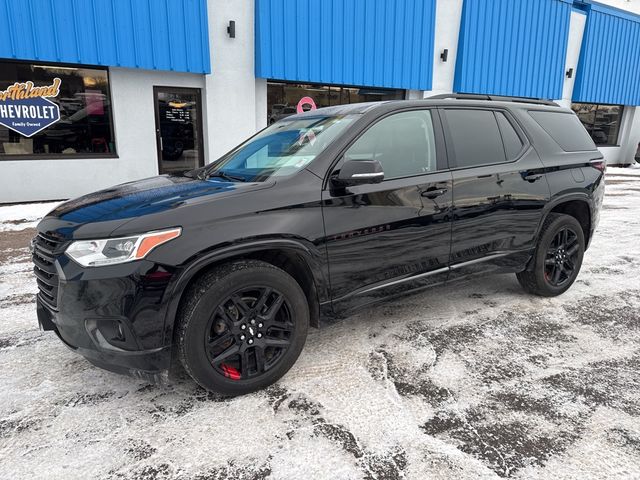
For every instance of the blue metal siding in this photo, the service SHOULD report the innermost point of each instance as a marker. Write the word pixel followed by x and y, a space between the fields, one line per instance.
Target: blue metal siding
pixel 377 43
pixel 609 66
pixel 152 34
pixel 513 47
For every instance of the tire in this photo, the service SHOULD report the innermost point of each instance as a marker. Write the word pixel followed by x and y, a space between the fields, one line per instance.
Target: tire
pixel 553 255
pixel 253 316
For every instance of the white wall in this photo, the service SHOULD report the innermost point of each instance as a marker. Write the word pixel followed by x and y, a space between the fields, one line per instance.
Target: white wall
pixel 576 32
pixel 448 16
pixel 236 103
pixel 134 128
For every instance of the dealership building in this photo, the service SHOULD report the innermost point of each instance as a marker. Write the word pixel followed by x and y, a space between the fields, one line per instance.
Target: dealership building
pixel 99 92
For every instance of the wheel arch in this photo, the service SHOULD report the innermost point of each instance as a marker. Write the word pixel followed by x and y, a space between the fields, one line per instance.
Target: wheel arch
pixel 578 206
pixel 299 259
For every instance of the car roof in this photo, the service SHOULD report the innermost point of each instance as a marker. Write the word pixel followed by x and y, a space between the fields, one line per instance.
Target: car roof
pixel 390 105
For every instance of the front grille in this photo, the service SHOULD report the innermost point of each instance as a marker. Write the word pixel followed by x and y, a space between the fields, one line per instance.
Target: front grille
pixel 46 247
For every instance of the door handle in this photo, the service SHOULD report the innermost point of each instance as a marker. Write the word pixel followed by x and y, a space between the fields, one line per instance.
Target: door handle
pixel 434 193
pixel 532 177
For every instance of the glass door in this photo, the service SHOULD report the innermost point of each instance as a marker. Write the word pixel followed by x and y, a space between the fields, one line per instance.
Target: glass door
pixel 178 129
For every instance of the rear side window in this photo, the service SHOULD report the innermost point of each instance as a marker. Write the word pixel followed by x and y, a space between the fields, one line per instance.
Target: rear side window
pixel 476 137
pixel 566 129
pixel 512 142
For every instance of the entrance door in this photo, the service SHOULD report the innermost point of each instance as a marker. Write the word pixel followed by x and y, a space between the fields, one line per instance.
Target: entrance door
pixel 178 129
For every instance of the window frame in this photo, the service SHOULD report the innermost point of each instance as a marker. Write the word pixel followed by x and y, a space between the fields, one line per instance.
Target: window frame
pixel 595 116
pixel 67 156
pixel 442 162
pixel 453 166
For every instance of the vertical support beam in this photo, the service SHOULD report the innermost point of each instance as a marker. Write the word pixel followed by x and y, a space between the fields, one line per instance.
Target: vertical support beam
pixel 232 94
pixel 576 32
pixel 448 16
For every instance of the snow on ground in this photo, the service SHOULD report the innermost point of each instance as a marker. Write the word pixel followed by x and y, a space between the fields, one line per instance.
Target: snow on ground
pixel 472 380
pixel 24 215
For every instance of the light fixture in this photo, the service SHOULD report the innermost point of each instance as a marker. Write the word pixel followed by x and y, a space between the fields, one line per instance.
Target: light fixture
pixel 444 55
pixel 570 73
pixel 231 29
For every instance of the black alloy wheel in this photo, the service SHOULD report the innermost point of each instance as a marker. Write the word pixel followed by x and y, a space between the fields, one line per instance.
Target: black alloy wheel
pixel 562 257
pixel 557 259
pixel 241 327
pixel 249 332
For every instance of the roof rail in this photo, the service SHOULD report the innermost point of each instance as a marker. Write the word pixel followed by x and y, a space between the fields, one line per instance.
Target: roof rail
pixel 495 98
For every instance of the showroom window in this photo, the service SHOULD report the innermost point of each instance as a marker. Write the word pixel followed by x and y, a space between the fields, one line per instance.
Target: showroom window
pixel 601 121
pixel 51 111
pixel 283 98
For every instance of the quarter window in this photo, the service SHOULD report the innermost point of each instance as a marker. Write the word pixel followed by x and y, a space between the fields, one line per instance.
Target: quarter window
pixel 403 143
pixel 54 111
pixel 564 129
pixel 512 141
pixel 476 137
pixel 601 121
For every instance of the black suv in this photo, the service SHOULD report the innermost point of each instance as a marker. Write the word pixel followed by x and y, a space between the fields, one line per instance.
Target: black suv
pixel 225 267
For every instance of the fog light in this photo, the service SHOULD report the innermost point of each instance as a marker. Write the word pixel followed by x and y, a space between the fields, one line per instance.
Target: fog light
pixel 111 334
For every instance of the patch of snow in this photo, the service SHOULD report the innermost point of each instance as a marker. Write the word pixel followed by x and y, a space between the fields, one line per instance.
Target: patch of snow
pixel 24 215
pixel 472 380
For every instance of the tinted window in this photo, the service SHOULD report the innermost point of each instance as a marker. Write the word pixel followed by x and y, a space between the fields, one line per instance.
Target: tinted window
pixel 512 141
pixel 403 143
pixel 476 137
pixel 565 129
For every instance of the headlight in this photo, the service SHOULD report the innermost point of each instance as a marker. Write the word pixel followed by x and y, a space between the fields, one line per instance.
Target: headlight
pixel 110 251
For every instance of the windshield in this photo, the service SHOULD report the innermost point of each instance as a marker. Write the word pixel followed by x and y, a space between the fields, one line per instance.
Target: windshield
pixel 282 149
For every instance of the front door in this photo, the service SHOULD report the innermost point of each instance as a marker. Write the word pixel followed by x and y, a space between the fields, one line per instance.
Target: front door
pixel 393 236
pixel 178 129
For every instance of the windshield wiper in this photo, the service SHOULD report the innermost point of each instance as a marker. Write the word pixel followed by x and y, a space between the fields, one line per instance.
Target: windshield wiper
pixel 221 174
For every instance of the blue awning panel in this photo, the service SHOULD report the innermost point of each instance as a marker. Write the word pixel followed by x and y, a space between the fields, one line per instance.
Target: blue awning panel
pixel 374 43
pixel 609 67
pixel 513 48
pixel 151 34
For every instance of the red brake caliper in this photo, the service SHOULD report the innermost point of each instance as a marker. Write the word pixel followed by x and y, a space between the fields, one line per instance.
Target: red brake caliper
pixel 230 372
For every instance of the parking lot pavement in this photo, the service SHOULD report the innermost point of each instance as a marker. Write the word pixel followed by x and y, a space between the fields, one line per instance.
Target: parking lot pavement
pixel 472 380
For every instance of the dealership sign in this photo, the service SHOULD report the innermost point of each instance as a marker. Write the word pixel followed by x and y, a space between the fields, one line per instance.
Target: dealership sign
pixel 26 109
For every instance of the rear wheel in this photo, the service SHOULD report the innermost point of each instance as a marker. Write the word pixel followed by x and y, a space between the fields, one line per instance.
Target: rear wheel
pixel 558 257
pixel 242 327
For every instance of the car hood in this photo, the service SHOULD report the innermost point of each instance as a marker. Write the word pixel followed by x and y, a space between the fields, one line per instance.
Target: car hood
pixel 106 210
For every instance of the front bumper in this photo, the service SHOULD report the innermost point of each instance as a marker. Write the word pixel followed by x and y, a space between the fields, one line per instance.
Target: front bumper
pixel 149 364
pixel 113 316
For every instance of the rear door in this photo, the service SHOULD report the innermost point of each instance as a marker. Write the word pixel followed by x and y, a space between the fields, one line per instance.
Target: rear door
pixel 499 190
pixel 396 235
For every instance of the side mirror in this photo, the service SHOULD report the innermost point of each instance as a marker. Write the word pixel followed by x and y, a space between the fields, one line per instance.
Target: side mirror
pixel 359 172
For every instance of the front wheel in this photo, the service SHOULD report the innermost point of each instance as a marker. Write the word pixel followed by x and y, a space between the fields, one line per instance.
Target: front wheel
pixel 242 327
pixel 558 257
